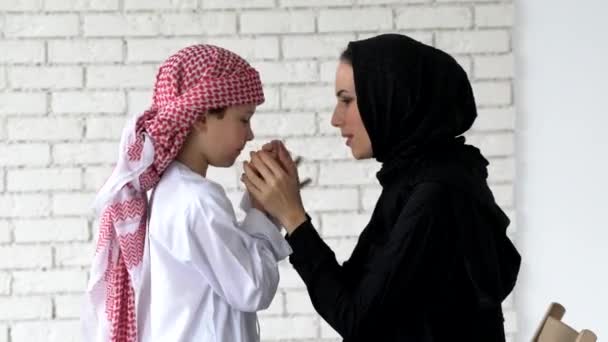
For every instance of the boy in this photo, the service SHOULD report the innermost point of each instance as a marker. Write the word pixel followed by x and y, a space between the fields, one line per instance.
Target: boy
pixel 192 273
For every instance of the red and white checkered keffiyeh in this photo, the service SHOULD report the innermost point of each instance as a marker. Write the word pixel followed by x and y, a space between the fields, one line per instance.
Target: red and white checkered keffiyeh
pixel 194 80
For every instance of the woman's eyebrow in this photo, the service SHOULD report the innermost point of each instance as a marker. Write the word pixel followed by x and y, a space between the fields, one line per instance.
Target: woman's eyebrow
pixel 341 92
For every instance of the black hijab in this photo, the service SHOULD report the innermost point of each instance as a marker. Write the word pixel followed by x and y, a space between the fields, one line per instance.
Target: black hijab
pixel 414 100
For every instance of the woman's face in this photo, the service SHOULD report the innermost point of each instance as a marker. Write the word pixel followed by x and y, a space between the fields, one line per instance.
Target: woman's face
pixel 346 115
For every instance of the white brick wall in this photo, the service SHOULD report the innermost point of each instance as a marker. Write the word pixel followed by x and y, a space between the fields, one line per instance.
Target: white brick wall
pixel 72 70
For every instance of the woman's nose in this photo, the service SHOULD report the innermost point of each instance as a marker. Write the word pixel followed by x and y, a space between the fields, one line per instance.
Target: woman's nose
pixel 336 119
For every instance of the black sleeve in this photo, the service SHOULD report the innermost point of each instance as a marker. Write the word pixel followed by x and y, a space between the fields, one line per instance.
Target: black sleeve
pixel 418 236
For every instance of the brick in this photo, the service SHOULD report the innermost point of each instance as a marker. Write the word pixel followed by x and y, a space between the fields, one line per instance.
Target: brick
pixel 358 173
pixel 25 205
pixel 210 23
pixel 274 328
pixel 287 72
pixel 121 76
pixel 494 15
pixel 318 46
pixel 503 194
pixel 3 333
pixel 492 93
pixel 3 135
pixel 473 41
pixel 349 20
pixel 493 145
pixel 314 3
pixel 466 63
pixel 78 102
pixel 298 302
pixel 290 279
pixel 369 197
pixel 112 25
pixel 250 48
pixel 30 103
pixel 105 127
pixel 24 155
pixel 510 322
pixel 139 101
pixel 5 284
pixel 307 97
pixel 222 4
pixel 44 179
pixel 68 306
pixel 277 22
pixel 344 224
pixel 21 51
pixel 330 199
pixel 327 331
pixel 20 257
pixel 74 255
pixel 24 308
pixel 5 234
pixel 75 204
pixel 160 4
pixel 501 170
pixel 495 119
pixel 49 331
pixel 45 129
pixel 81 5
pixel 421 36
pixel 53 281
pixel 325 127
pixel 45 77
pixel 501 66
pixel 342 247
pixel 434 17
pixel 85 153
pixel 3 82
pixel 328 71
pixel 156 50
pixel 51 230
pixel 383 2
pixel 20 5
pixel 272 98
pixel 95 177
pixel 85 51
pixel 284 125
pixel 316 148
pixel 58 25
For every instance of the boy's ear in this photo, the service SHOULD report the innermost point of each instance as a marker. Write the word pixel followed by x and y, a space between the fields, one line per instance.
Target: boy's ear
pixel 200 124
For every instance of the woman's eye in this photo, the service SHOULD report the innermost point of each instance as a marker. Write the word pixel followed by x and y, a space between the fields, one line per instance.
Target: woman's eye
pixel 245 121
pixel 345 100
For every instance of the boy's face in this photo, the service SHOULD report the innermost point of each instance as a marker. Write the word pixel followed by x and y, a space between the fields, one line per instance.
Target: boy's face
pixel 222 139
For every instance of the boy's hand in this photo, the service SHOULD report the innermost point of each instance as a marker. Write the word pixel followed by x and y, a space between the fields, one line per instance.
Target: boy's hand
pixel 273 148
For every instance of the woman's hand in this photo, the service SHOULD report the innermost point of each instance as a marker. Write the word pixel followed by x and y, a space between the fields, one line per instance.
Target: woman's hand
pixel 275 184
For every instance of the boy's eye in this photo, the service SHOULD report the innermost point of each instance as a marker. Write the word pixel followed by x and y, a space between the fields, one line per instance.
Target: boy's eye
pixel 246 121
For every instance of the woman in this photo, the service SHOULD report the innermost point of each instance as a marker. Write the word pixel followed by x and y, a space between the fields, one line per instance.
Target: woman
pixel 434 262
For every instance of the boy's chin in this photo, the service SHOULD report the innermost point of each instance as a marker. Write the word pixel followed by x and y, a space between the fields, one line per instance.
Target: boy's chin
pixel 228 162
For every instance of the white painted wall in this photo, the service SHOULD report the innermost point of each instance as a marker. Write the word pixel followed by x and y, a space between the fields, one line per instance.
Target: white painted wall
pixel 562 161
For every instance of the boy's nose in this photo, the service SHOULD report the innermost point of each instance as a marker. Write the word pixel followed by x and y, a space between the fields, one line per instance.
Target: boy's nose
pixel 250 135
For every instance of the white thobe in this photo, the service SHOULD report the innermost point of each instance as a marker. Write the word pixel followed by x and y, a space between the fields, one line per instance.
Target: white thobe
pixel 208 274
